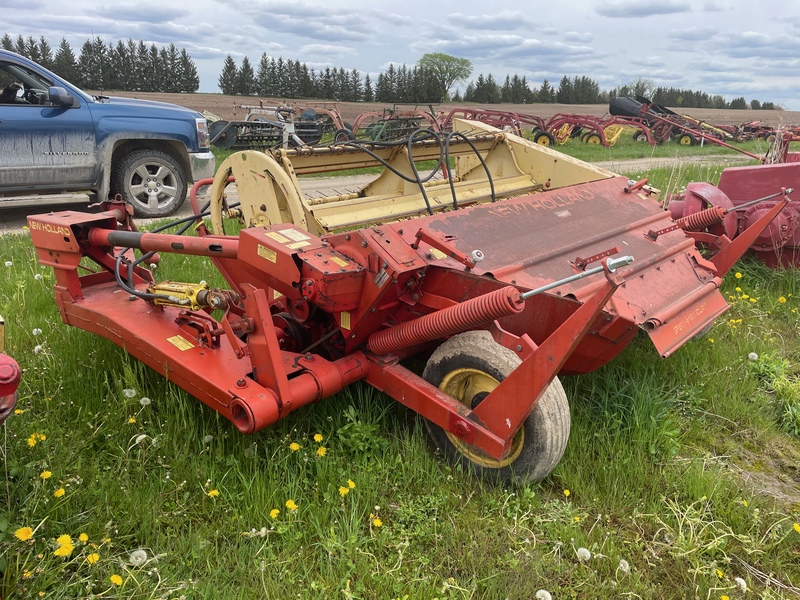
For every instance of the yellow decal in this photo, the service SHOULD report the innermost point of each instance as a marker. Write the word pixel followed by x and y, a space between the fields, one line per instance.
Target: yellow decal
pixel 297 245
pixel 48 228
pixel 437 253
pixel 344 319
pixel 276 294
pixel 339 261
pixel 265 252
pixel 297 236
pixel 277 237
pixel 180 342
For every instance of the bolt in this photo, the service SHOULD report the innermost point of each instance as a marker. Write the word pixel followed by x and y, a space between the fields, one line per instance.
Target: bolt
pixel 241 383
pixel 461 429
pixel 307 356
pixel 347 237
pixel 519 348
pixel 363 244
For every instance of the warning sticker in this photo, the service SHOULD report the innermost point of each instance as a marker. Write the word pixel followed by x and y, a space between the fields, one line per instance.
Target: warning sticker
pixel 180 342
pixel 339 261
pixel 265 252
pixel 344 319
pixel 297 236
pixel 277 237
pixel 438 253
pixel 276 294
pixel 297 245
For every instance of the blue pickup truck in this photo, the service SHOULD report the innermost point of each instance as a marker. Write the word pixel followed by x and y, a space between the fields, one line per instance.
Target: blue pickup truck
pixel 56 139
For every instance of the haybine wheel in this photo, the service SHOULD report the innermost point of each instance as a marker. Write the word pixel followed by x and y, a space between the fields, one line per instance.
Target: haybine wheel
pixel 468 367
pixel 267 194
pixel 544 138
pixel 686 139
pixel 592 139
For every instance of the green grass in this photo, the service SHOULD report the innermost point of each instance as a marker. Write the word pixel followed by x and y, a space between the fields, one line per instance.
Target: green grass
pixel 668 468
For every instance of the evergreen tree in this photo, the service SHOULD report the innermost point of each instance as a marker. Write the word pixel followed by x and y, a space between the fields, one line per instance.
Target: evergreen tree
pixel 90 67
pixel 368 95
pixel 189 80
pixel 64 63
pixel 565 93
pixel 7 43
pixel 228 78
pixel 45 53
pixel 546 93
pixel 245 78
pixel 19 46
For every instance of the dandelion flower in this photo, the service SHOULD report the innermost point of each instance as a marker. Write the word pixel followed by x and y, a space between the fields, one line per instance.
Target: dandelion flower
pixel 291 505
pixel 137 558
pixel 93 558
pixel 322 451
pixel 36 331
pixel 318 437
pixel 343 491
pixel 377 522
pixel 116 579
pixel 208 439
pixel 59 492
pixel 543 595
pixel 624 566
pixel 145 401
pixel 19 411
pixel 782 300
pixel 737 289
pixel 38 349
pixel 753 300
pixel 38 277
pixel 83 538
pixel 745 297
pixel 32 441
pixel 65 546
pixel 9 263
pixel 23 534
pixel 128 393
pixel 719 573
pixel 132 420
pixel 294 446
pixel 273 514
pixel 738 275
pixel 213 493
pixel 724 597
pixel 744 503
pixel 796 527
pixel 351 484
pixel 741 584
pixel 577 519
pixel 566 493
pixel 752 356
pixel 45 475
pixel 583 554
pixel 710 340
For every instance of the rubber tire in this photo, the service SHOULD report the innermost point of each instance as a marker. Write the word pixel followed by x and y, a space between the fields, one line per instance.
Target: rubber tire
pixel 546 429
pixel 544 138
pixel 592 138
pixel 344 135
pixel 686 139
pixel 639 136
pixel 126 172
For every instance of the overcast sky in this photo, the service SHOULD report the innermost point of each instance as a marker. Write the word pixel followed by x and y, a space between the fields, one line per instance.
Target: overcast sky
pixel 728 47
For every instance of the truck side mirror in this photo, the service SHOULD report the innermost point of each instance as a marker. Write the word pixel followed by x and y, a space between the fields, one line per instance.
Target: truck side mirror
pixel 58 96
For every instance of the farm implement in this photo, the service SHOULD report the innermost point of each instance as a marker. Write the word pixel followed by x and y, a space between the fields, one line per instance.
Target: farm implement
pixel 266 127
pixel 522 265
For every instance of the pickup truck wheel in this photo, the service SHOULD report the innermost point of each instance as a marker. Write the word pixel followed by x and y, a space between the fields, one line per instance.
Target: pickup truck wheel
pixel 151 181
pixel 468 367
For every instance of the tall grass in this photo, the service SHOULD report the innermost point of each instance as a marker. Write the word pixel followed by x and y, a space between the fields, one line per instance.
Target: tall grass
pixel 678 477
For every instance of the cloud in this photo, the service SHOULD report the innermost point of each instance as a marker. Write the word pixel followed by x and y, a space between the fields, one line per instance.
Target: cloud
pixel 624 9
pixel 693 34
pixel 576 36
pixel 328 51
pixel 502 21
pixel 141 13
pixel 650 61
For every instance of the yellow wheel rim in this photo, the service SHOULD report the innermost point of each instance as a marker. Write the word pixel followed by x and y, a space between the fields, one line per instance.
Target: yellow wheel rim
pixel 593 140
pixel 543 140
pixel 685 140
pixel 467 385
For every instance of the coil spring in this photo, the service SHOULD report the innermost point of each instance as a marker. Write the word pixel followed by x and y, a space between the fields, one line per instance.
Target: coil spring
pixel 449 321
pixel 701 220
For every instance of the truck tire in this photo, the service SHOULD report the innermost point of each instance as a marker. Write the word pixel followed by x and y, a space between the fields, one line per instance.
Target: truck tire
pixel 151 181
pixel 467 367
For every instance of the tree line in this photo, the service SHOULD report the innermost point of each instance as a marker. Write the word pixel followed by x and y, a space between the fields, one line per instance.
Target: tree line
pixel 128 66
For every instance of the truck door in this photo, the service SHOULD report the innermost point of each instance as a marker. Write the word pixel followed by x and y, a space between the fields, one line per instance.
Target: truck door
pixel 43 147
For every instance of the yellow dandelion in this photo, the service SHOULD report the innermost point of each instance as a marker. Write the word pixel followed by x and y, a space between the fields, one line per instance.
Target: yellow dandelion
pixel 377 522
pixel 577 519
pixel 343 491
pixel 32 441
pixel 273 514
pixel 724 597
pixel 294 446
pixel 116 579
pixel 65 546
pixel 351 484
pixel 745 296
pixel 213 493
pixel 753 300
pixel 744 503
pixel 782 300
pixel 59 492
pixel 132 420
pixel 291 505
pixel 566 493
pixel 738 275
pixel 796 527
pixel 83 538
pixel 719 573
pixel 318 437
pixel 23 534
pixel 737 289
pixel 27 574
pixel 710 340
pixel 45 475
pixel 19 411
pixel 322 451
pixel 93 558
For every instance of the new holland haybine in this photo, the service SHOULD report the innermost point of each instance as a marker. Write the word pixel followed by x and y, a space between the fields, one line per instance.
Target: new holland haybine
pixel 519 265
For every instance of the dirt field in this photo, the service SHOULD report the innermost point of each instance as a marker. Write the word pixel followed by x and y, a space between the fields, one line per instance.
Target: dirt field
pixel 225 107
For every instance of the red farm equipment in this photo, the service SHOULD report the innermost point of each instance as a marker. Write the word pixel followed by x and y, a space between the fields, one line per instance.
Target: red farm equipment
pixel 9 378
pixel 504 276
